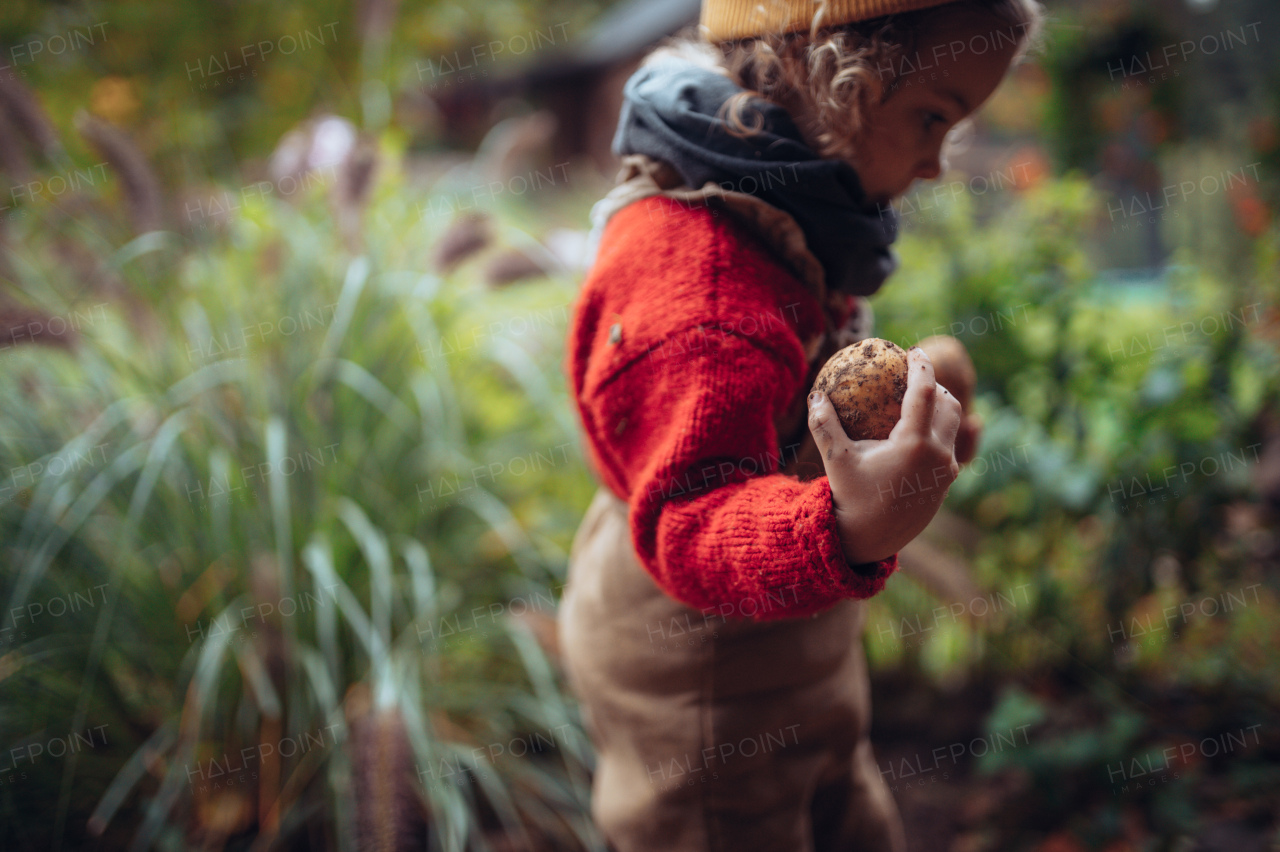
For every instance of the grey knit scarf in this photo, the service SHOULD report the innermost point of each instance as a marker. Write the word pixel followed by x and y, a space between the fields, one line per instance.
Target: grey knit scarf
pixel 669 113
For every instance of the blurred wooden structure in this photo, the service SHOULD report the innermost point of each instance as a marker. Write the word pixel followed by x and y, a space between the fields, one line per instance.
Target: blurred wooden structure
pixel 579 83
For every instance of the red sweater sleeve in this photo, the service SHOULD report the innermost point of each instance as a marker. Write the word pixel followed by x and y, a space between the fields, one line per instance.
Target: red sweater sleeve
pixel 685 345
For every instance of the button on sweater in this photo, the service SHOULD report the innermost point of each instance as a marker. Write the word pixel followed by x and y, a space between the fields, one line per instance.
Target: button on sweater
pixel 684 351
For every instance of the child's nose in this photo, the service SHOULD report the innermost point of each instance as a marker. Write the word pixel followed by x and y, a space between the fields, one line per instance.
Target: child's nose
pixel 930 168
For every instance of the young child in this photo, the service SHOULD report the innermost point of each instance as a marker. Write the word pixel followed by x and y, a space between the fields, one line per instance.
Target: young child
pixel 711 620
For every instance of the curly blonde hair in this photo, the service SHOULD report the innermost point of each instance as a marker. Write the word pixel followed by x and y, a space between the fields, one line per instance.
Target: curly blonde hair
pixel 827 77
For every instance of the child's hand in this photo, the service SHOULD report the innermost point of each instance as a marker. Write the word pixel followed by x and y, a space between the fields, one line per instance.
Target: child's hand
pixel 886 492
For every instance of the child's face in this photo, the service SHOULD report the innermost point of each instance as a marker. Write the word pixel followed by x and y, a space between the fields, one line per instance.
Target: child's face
pixel 953 72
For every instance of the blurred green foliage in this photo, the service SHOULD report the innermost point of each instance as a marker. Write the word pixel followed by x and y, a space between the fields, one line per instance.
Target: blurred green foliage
pixel 292 503
pixel 206 87
pixel 264 340
pixel 1121 433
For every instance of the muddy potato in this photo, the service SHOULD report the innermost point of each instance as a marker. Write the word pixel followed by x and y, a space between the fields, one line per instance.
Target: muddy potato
pixel 866 383
pixel 952 366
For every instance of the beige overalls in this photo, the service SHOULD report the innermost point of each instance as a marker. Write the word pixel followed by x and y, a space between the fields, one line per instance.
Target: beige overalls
pixel 712 732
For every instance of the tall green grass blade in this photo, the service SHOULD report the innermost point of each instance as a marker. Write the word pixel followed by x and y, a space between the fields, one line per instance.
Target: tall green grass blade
pixel 264 693
pixel 422 577
pixel 363 382
pixel 161 445
pixel 143 244
pixel 102 425
pixel 201 693
pixel 65 527
pixel 319 561
pixel 206 378
pixel 130 774
pixel 352 287
pixel 373 545
pixel 504 524
pixel 516 361
pixel 279 495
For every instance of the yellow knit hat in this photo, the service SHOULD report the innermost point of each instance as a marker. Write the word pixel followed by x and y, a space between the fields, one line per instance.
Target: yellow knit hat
pixel 723 20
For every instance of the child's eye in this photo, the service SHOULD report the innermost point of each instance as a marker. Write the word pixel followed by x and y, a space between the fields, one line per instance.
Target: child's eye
pixel 930 118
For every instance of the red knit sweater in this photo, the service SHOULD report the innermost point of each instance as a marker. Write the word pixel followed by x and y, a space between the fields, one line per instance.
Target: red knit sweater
pixel 684 346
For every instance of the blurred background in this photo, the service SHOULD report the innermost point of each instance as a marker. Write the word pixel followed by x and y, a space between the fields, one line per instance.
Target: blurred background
pixel 289 471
